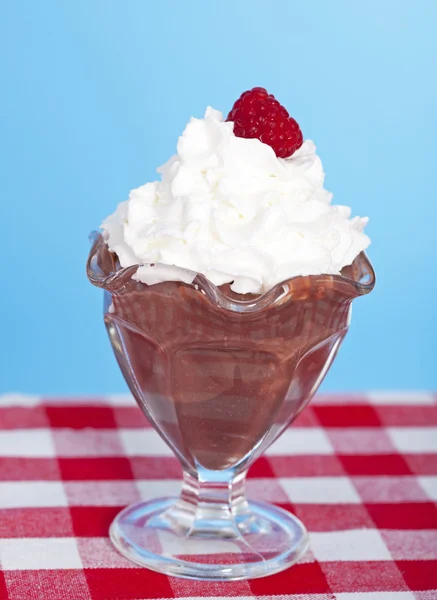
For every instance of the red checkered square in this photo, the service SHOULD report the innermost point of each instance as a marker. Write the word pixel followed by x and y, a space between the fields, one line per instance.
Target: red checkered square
pixel 3 588
pixel 307 578
pixel 376 464
pixel 93 521
pixel 80 417
pixel 119 584
pixel 261 468
pixel 419 574
pixel 404 515
pixel 95 469
pixel 357 415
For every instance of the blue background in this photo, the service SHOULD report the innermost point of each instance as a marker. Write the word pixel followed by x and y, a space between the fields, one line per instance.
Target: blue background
pixel 93 97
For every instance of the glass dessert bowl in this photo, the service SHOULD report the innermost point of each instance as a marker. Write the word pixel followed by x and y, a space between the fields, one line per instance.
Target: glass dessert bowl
pixel 219 376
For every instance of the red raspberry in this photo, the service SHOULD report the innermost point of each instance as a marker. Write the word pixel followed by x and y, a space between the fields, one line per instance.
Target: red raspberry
pixel 257 114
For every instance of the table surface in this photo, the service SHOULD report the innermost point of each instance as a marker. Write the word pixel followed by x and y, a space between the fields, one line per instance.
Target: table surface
pixel 360 471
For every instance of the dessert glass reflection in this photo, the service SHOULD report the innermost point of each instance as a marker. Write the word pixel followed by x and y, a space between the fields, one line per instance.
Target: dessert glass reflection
pixel 220 376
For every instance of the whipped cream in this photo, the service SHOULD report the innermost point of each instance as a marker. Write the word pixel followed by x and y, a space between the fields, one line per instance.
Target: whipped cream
pixel 227 207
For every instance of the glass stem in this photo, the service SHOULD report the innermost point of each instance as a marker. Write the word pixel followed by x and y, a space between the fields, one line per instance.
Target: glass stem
pixel 211 504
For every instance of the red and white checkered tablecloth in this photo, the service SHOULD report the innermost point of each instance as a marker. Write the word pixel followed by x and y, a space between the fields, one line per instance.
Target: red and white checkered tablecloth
pixel 360 471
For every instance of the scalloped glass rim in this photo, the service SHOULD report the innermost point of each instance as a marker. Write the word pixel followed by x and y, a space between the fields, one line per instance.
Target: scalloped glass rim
pixel 294 286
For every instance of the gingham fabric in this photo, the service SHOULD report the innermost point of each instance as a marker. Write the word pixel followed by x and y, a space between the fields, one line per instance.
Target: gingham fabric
pixel 360 471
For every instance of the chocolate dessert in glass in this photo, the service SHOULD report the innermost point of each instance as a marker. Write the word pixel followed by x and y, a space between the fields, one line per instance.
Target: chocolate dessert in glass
pixel 219 347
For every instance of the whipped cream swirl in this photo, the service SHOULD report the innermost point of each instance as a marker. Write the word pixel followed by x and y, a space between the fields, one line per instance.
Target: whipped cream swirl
pixel 227 207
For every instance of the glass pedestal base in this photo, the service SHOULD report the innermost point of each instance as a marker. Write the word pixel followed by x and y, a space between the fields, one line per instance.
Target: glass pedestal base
pixel 261 540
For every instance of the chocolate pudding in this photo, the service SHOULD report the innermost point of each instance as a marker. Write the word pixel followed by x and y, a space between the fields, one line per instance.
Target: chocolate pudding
pixel 217 371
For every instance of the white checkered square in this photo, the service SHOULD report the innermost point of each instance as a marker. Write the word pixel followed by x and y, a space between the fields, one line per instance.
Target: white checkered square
pixel 330 399
pixel 121 400
pixel 29 494
pixel 101 493
pixel 143 442
pixel 152 489
pixel 87 442
pixel 19 400
pixel 320 490
pixel 39 553
pixel 184 546
pixel 429 484
pixel 300 441
pixel 414 439
pixel 352 545
pixel 401 398
pixel 34 443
